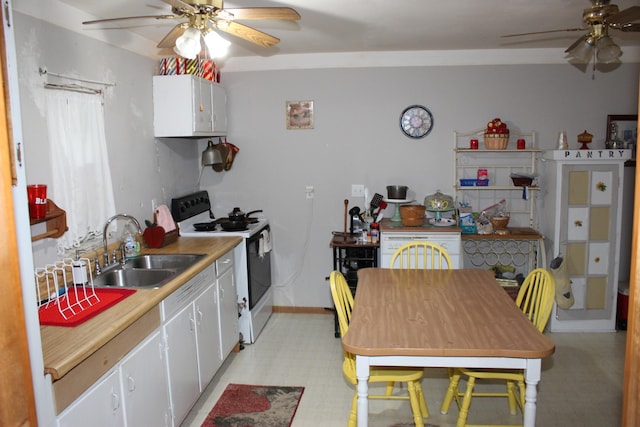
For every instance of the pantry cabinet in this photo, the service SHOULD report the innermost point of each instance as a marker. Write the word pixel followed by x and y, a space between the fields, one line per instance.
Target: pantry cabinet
pixel 583 211
pixel 188 106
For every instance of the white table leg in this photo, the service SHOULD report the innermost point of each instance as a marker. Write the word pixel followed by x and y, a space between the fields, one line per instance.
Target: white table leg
pixel 532 378
pixel 362 373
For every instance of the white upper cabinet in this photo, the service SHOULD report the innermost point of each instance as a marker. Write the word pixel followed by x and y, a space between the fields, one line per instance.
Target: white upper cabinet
pixel 188 106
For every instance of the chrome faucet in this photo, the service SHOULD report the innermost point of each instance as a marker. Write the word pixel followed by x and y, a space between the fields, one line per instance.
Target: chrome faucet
pixel 106 227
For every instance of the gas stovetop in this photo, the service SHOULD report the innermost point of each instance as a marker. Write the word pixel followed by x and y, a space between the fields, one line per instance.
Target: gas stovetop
pixel 195 208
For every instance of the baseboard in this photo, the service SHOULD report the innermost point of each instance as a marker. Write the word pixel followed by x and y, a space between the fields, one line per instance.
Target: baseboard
pixel 302 310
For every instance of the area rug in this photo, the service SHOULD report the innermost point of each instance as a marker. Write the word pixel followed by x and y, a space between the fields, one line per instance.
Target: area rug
pixel 244 405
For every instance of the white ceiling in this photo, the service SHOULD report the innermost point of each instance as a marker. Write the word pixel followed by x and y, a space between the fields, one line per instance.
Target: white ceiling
pixel 338 26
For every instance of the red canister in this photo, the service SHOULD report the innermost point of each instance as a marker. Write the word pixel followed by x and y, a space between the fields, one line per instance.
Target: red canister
pixel 521 144
pixel 473 144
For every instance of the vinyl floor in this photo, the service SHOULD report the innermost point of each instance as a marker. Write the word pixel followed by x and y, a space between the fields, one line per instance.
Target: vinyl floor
pixel 581 383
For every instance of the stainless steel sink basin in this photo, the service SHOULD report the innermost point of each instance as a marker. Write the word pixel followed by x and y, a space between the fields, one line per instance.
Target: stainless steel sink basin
pixel 163 261
pixel 134 278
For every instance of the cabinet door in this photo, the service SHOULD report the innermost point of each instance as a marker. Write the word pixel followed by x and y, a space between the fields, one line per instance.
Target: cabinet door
pixel 219 107
pixel 182 362
pixel 101 406
pixel 202 106
pixel 229 329
pixel 208 334
pixel 144 384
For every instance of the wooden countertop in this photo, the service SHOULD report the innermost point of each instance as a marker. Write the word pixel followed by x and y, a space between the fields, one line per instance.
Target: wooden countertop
pixel 64 348
pixel 515 233
pixel 386 225
pixel 439 313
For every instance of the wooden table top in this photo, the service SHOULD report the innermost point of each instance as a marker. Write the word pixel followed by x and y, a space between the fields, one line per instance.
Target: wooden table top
pixel 439 313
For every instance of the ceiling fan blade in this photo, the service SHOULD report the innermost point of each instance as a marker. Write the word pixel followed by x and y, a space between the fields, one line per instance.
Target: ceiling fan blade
pixel 283 13
pixel 545 32
pixel 169 40
pixel 180 5
pixel 627 15
pixel 97 21
pixel 247 33
pixel 628 28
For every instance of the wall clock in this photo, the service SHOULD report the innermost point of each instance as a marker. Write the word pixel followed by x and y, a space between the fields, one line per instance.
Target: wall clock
pixel 416 121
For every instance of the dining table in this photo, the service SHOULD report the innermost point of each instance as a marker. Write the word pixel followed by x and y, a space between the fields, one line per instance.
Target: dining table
pixel 441 318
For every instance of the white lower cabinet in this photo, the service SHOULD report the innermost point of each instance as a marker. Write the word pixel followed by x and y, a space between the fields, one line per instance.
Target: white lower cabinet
pixel 145 390
pixel 208 336
pixel 133 393
pixel 157 382
pixel 228 304
pixel 100 406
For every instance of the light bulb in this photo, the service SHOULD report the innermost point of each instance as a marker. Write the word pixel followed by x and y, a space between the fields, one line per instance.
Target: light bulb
pixel 582 51
pixel 607 51
pixel 216 45
pixel 188 44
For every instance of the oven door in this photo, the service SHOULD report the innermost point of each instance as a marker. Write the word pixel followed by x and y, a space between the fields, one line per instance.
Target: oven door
pixel 259 266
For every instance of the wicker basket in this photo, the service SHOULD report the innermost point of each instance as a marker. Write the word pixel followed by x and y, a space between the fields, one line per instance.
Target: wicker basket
pixel 499 222
pixel 412 215
pixel 496 141
pixel 522 181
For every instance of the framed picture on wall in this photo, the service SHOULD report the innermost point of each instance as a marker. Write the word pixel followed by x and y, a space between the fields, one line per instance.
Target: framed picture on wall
pixel 299 114
pixel 627 128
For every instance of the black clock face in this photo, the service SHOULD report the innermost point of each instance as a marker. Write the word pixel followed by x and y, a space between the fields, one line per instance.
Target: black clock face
pixel 416 121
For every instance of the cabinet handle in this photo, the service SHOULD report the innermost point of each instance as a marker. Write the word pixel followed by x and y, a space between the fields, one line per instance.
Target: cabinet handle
pixel 199 315
pixel 132 383
pixel 191 323
pixel 115 401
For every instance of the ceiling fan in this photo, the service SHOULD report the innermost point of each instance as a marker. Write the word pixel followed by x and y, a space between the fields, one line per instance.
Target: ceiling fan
pixel 205 16
pixel 599 19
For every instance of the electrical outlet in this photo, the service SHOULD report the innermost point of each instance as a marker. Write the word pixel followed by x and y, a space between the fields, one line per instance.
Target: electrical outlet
pixel 357 190
pixel 309 191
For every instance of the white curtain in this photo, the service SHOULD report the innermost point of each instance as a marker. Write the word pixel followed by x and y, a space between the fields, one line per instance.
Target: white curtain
pixel 81 183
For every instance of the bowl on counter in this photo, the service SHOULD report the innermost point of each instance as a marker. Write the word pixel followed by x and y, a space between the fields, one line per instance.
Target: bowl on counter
pixel 412 215
pixel 397 192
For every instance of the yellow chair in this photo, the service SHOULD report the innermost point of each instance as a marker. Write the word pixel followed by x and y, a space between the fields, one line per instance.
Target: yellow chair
pixel 343 300
pixel 420 254
pixel 535 298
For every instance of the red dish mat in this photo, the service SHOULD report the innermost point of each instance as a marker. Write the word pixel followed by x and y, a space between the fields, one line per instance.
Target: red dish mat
pixel 50 315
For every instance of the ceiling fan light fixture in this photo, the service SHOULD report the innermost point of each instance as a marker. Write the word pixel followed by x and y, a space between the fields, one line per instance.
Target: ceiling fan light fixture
pixel 583 50
pixel 216 45
pixel 188 44
pixel 607 51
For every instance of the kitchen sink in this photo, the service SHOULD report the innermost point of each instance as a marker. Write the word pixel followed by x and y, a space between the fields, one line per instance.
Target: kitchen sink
pixel 150 271
pixel 163 261
pixel 134 278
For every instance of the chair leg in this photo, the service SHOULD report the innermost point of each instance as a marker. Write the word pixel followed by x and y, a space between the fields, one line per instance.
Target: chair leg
pixel 415 404
pixel 452 391
pixel 511 396
pixel 353 414
pixel 466 403
pixel 424 409
pixel 389 390
pixel 522 387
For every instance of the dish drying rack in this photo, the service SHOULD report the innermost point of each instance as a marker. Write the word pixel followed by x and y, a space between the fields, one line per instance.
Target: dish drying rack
pixel 68 284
